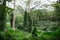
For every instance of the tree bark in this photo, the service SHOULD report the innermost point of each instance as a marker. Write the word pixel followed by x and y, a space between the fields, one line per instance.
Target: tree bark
pixel 13 22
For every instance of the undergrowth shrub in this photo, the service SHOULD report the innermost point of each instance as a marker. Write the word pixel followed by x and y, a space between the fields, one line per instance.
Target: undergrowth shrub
pixel 14 35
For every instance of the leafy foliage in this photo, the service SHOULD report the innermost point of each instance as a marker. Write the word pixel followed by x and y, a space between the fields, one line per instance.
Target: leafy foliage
pixel 19 21
pixel 13 35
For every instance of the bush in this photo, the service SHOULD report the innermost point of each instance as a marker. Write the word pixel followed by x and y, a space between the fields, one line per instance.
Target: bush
pixel 9 34
pixel 55 35
pixel 13 35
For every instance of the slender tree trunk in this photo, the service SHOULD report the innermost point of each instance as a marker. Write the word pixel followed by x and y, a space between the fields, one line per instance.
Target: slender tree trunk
pixel 13 23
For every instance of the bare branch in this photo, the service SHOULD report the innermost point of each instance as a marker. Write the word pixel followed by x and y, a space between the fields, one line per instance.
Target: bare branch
pixel 37 5
pixel 41 4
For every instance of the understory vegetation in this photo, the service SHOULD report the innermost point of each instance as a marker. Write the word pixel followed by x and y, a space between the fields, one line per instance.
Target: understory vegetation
pixel 20 23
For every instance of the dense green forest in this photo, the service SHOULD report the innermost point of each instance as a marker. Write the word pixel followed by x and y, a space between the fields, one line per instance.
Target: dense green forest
pixel 29 22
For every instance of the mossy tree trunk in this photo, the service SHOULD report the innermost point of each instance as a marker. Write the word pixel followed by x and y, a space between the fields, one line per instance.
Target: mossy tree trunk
pixel 27 22
pixel 30 23
pixel 3 15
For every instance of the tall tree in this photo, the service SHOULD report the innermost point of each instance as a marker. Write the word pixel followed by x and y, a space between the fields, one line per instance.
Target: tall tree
pixel 3 15
pixel 28 10
pixel 13 17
